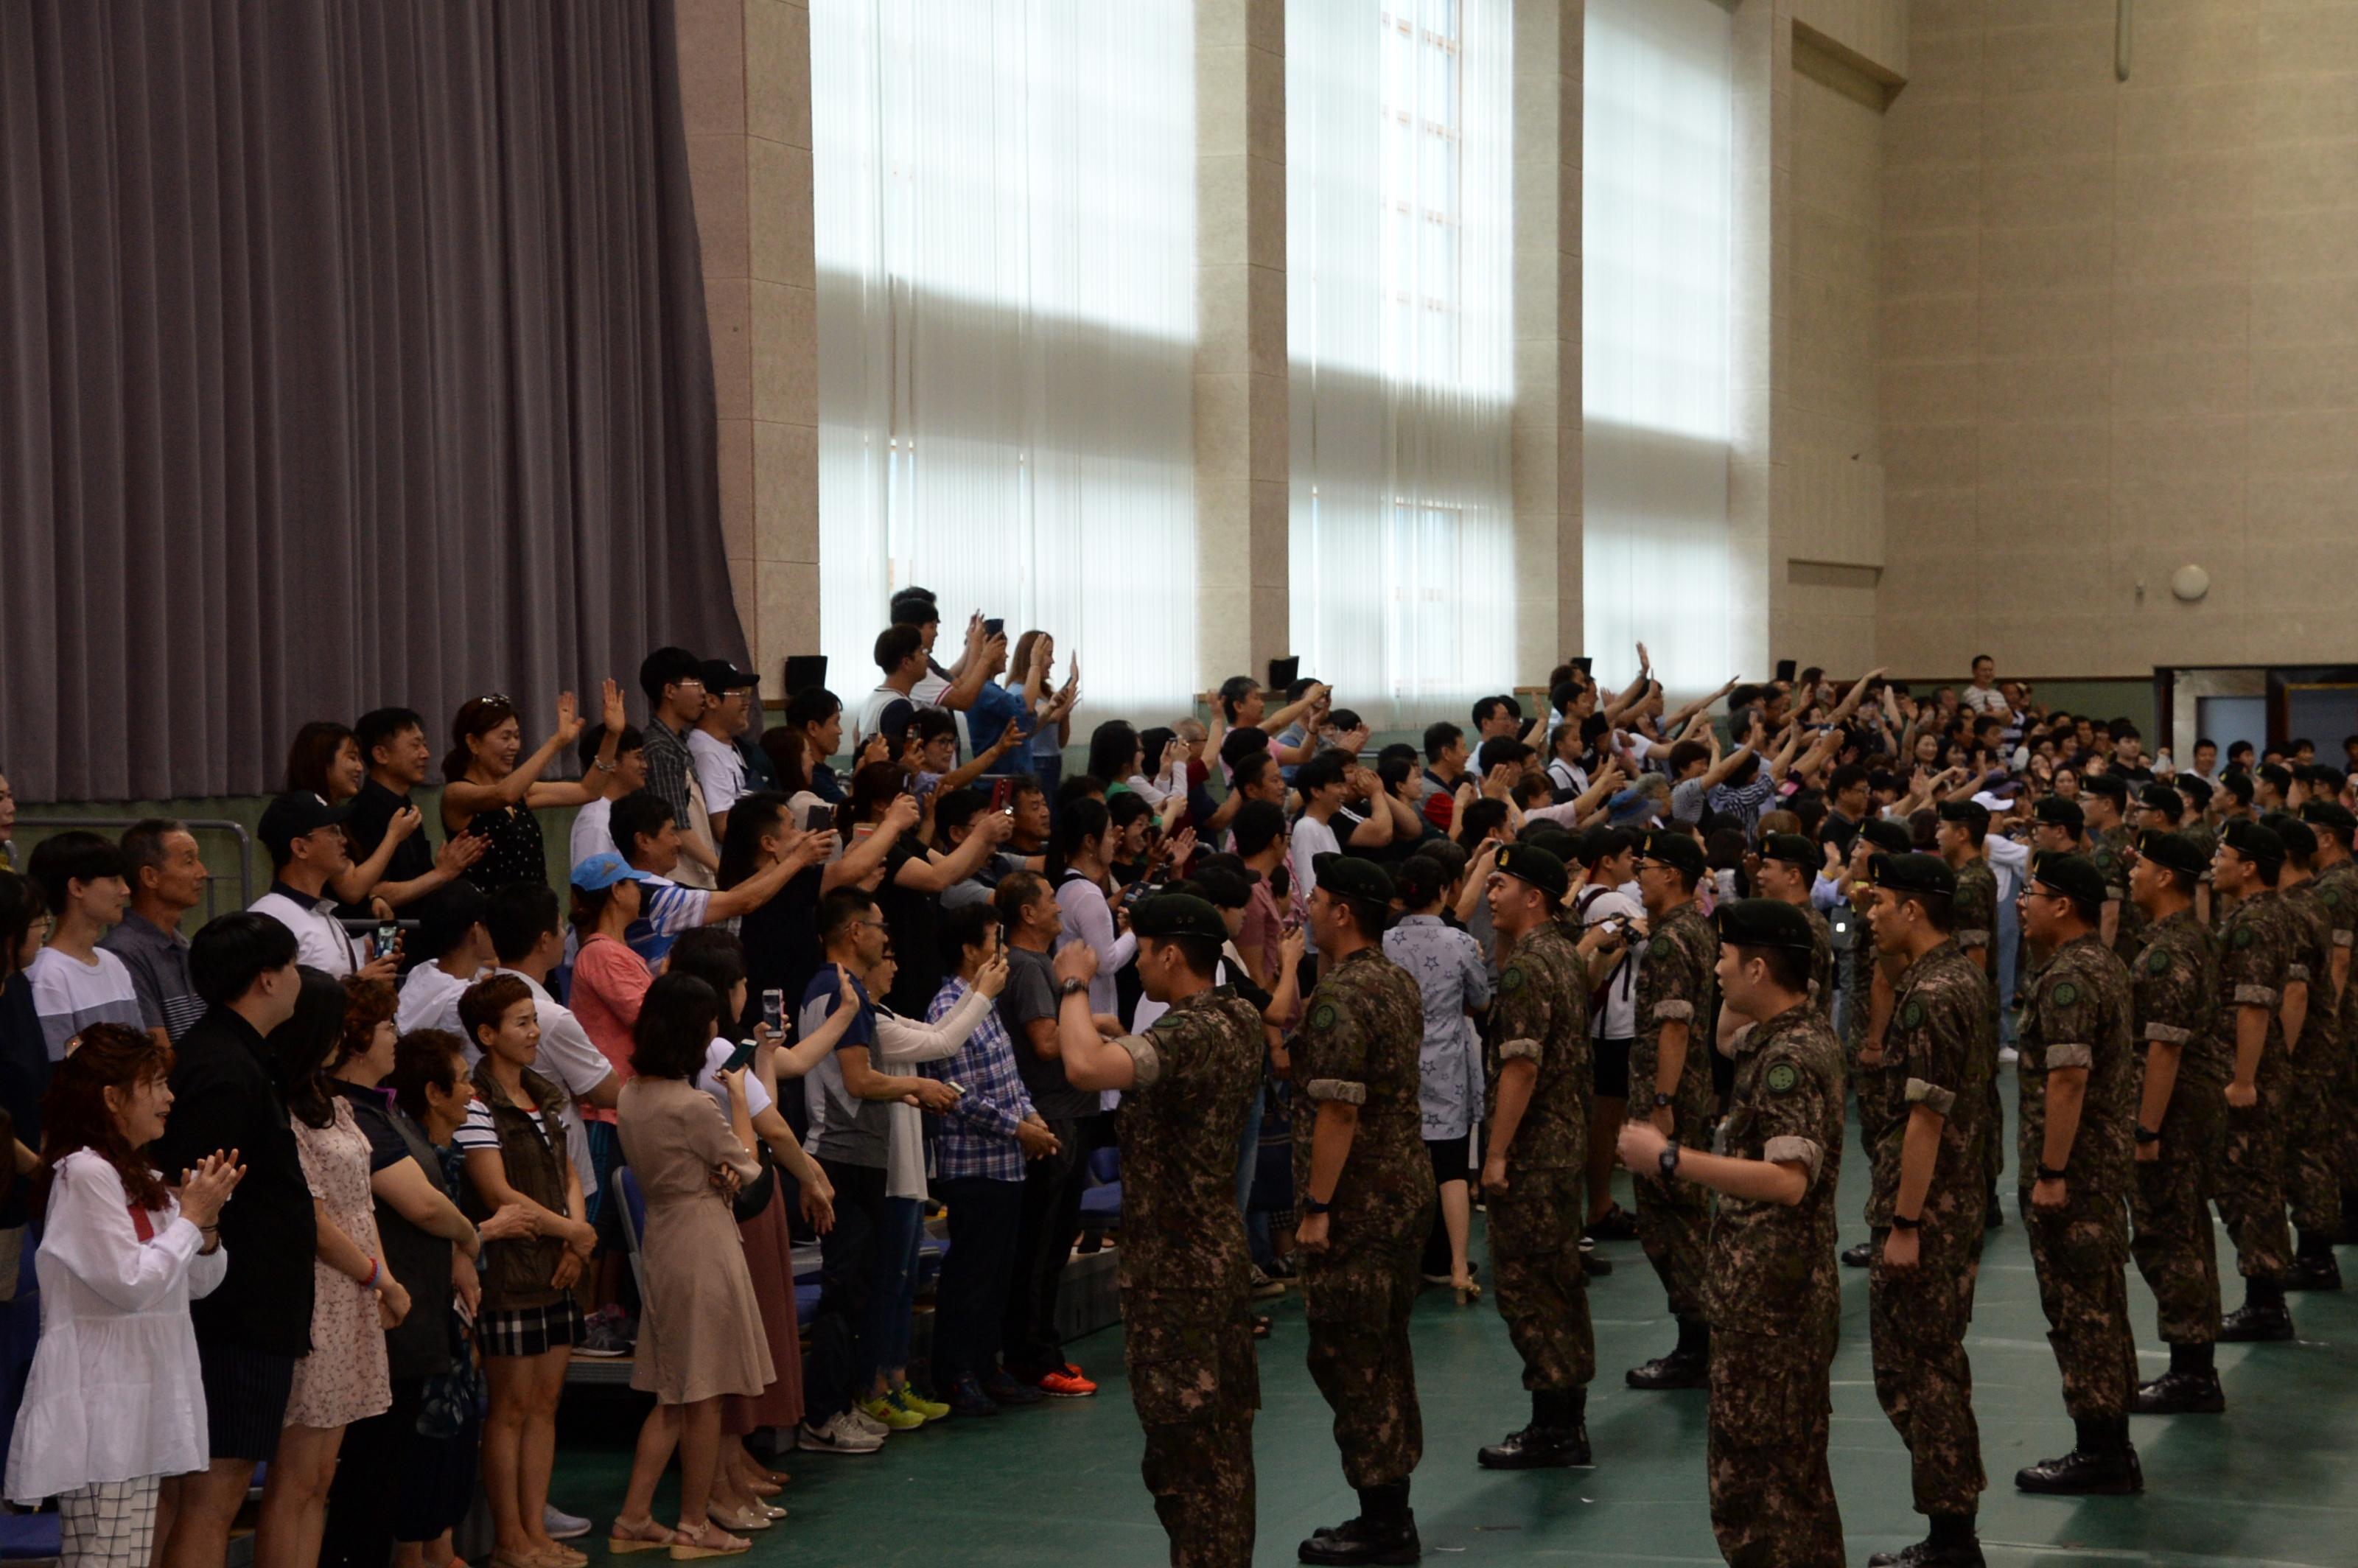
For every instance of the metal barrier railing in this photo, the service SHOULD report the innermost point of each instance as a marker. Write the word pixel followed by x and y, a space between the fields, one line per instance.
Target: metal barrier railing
pixel 200 825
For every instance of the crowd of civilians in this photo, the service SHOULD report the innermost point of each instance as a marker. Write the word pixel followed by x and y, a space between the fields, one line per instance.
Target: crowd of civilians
pixel 339 1185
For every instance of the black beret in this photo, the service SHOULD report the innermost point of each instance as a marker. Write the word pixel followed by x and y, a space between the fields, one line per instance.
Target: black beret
pixel 2253 842
pixel 2062 812
pixel 2320 776
pixel 2195 788
pixel 1890 837
pixel 2276 774
pixel 2161 797
pixel 1672 849
pixel 1792 849
pixel 2073 876
pixel 1166 914
pixel 2330 813
pixel 1912 873
pixel 2111 786
pixel 1528 863
pixel 1764 922
pixel 2174 850
pixel 1561 842
pixel 2300 839
pixel 1972 813
pixel 1349 876
pixel 2237 785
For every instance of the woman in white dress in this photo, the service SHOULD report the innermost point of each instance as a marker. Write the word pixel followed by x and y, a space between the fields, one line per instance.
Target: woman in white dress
pixel 114 1412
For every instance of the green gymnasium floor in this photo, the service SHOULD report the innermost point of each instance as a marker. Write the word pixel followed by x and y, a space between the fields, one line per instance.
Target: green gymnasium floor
pixel 2273 1482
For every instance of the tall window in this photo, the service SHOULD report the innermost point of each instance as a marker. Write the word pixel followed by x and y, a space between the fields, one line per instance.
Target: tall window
pixel 1006 235
pixel 1400 321
pixel 1657 221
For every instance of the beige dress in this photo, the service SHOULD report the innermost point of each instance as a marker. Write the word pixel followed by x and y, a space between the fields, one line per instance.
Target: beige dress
pixel 700 1332
pixel 345 1377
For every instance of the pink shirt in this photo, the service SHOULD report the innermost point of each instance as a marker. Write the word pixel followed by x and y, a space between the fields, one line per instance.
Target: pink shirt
pixel 610 983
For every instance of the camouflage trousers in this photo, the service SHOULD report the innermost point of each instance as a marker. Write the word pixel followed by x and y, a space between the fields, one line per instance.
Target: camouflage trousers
pixel 1772 1496
pixel 2169 1207
pixel 1536 1274
pixel 2345 1105
pixel 2250 1183
pixel 1992 1131
pixel 1356 1299
pixel 2312 1167
pixel 1674 1227
pixel 1917 1318
pixel 1196 1385
pixel 2081 1250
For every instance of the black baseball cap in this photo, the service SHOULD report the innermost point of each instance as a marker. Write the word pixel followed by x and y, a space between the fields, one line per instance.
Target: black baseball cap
pixel 1528 863
pixel 721 676
pixel 293 814
pixel 1764 922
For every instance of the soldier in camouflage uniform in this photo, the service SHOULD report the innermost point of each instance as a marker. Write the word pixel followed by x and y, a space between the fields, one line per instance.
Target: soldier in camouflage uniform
pixel 1789 870
pixel 1774 1299
pixel 2312 1180
pixel 1187 1084
pixel 2181 1115
pixel 1863 996
pixel 2337 885
pixel 2179 807
pixel 2079 1086
pixel 1368 1199
pixel 2111 841
pixel 1670 1085
pixel 1964 824
pixel 1927 1239
pixel 2256 944
pixel 1535 1170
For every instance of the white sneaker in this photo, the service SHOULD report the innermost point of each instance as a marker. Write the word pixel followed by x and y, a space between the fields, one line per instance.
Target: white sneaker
pixel 868 1424
pixel 560 1525
pixel 2008 1056
pixel 841 1435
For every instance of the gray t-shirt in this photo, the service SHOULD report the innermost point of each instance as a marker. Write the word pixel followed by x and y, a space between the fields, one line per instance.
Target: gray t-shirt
pixel 158 962
pixel 1031 994
pixel 843 1129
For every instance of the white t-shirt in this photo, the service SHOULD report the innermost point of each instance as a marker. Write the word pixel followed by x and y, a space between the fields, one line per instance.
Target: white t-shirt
pixel 1312 838
pixel 718 769
pixel 873 712
pixel 70 995
pixel 1618 1019
pixel 320 939
pixel 716 1056
pixel 429 1000
pixel 1984 700
pixel 593 831
pixel 567 1059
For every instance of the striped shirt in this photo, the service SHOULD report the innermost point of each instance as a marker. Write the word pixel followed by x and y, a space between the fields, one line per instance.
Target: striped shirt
pixel 666 909
pixel 978 1134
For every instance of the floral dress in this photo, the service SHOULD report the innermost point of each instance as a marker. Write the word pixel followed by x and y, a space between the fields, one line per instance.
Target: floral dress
pixel 345 1377
pixel 1451 976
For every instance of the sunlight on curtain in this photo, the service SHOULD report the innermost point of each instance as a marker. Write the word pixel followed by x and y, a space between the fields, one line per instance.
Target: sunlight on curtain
pixel 1657 221
pixel 1006 232
pixel 1399 314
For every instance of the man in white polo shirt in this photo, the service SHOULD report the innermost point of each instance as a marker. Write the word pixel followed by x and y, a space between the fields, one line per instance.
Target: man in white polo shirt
pixel 304 837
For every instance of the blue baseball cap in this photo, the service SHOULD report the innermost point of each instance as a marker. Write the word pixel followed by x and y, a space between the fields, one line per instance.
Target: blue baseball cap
pixel 601 872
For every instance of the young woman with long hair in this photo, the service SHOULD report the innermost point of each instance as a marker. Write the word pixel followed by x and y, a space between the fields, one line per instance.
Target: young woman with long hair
pixel 325 760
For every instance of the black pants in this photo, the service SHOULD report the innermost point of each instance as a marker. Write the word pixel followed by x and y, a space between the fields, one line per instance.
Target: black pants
pixel 970 1304
pixel 1046 1227
pixel 847 1277
pixel 369 1470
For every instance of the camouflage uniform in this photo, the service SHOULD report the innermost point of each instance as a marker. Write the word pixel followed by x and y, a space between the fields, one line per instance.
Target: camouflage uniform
pixel 1821 964
pixel 2337 885
pixel 1358 1045
pixel 2111 851
pixel 2174 985
pixel 1775 1303
pixel 1974 919
pixel 2079 1015
pixel 1541 1016
pixel 2256 945
pixel 2311 1177
pixel 1185 1274
pixel 1676 984
pixel 1938 1050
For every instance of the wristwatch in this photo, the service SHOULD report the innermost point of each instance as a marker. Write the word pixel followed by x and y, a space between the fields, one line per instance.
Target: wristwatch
pixel 1670 1161
pixel 2147 1135
pixel 1901 1222
pixel 2049 1174
pixel 1314 1206
pixel 1072 987
pixel 1663 1101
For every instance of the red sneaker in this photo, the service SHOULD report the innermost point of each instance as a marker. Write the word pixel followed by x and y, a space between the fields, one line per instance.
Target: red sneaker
pixel 1066 1383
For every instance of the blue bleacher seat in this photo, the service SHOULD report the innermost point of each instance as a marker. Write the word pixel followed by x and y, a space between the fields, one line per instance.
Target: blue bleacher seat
pixel 23 1536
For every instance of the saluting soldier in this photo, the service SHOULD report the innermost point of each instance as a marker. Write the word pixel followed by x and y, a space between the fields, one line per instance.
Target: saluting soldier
pixel 1367 1191
pixel 1866 1010
pixel 2078 1081
pixel 1669 1086
pixel 1775 1301
pixel 2181 1116
pixel 2255 969
pixel 2312 1185
pixel 1926 1205
pixel 1187 1084
pixel 2337 884
pixel 1534 1171
pixel 1964 824
pixel 1789 870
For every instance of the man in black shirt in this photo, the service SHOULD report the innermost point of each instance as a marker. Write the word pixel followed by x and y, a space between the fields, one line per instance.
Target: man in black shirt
pixel 393 740
pixel 257 1324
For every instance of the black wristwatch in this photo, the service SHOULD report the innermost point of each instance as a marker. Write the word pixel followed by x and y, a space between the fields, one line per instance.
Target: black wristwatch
pixel 1670 1161
pixel 1072 987
pixel 2048 1175
pixel 1663 1102
pixel 1901 1222
pixel 1313 1206
pixel 2147 1135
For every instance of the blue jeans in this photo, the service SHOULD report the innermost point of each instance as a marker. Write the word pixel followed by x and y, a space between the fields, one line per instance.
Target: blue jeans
pixel 893 1298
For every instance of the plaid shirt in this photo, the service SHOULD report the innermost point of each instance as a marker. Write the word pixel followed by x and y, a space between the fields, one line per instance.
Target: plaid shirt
pixel 667 768
pixel 977 1136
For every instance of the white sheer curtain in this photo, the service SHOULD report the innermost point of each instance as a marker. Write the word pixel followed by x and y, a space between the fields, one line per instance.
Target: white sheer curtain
pixel 1006 222
pixel 1399 315
pixel 1657 224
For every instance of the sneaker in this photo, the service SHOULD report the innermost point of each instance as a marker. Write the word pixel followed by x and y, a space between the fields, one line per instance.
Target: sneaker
pixel 560 1525
pixel 868 1423
pixel 1616 1224
pixel 610 1332
pixel 968 1399
pixel 1263 1287
pixel 2008 1056
pixel 907 1398
pixel 1068 1383
pixel 838 1435
pixel 1280 1269
pixel 895 1417
pixel 1859 1257
pixel 1007 1390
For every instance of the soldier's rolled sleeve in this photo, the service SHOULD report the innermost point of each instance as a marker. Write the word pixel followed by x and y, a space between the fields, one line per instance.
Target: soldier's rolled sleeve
pixel 1673 1010
pixel 1972 938
pixel 2295 974
pixel 1530 1049
pixel 2341 937
pixel 1341 1091
pixel 2168 1034
pixel 2069 1055
pixel 1931 1097
pixel 2256 996
pixel 1143 1058
pixel 1788 1149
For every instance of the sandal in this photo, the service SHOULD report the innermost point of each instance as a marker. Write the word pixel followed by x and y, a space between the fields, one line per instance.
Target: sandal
pixel 707 1540
pixel 624 1539
pixel 750 1519
pixel 562 1556
pixel 1467 1290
